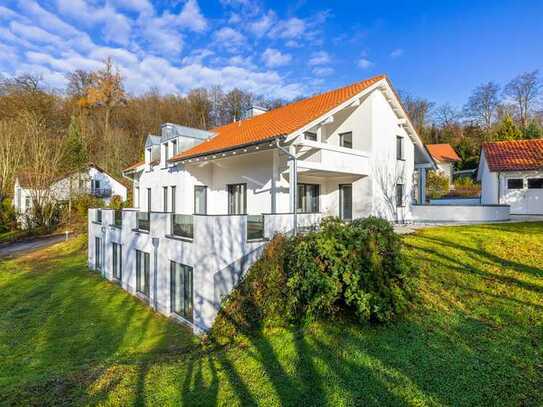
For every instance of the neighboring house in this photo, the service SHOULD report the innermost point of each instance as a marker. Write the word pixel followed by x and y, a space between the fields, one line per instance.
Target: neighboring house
pixel 207 201
pixel 444 157
pixel 511 173
pixel 93 181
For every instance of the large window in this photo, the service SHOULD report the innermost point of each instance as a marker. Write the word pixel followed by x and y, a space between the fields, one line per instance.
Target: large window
pixel 200 200
pixel 346 140
pixel 181 290
pixel 399 148
pixel 143 265
pixel 399 195
pixel 165 198
pixel 98 253
pixel 308 197
pixel 515 183
pixel 174 147
pixel 173 208
pixel 148 199
pixel 535 183
pixel 346 202
pixel 237 199
pixel 117 262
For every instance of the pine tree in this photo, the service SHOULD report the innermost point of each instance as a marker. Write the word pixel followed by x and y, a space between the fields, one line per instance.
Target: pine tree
pixel 76 151
pixel 507 130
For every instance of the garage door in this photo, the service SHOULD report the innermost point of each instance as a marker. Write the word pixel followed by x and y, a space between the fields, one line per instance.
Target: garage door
pixel 515 196
pixel 534 196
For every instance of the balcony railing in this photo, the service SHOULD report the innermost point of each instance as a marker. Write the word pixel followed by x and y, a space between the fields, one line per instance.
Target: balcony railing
pixel 98 218
pixel 255 227
pixel 118 218
pixel 101 192
pixel 183 226
pixel 144 221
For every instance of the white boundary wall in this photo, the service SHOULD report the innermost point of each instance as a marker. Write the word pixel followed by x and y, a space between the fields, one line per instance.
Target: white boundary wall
pixel 460 213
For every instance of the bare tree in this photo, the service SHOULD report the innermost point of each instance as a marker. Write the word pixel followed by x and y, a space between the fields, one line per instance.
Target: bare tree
pixel 482 105
pixel 79 82
pixel 524 91
pixel 418 110
pixel 12 152
pixel 388 179
pixel 446 116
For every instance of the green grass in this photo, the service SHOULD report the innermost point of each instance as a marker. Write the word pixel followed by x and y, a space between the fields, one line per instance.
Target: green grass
pixel 473 337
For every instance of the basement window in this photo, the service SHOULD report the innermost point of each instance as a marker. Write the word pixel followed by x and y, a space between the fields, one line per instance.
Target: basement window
pixel 515 183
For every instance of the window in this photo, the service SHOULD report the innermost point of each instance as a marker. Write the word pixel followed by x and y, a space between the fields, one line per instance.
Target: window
pixel 399 195
pixel 148 199
pixel 165 201
pixel 346 140
pixel 399 148
pixel 97 253
pixel 346 202
pixel 237 199
pixel 137 198
pixel 166 153
pixel 535 183
pixel 117 262
pixel 172 209
pixel 515 183
pixel 174 147
pixel 308 135
pixel 200 200
pixel 308 198
pixel 181 290
pixel 143 265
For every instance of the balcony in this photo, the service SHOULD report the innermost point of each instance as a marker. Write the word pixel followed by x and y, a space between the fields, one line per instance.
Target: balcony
pixel 143 221
pixel 183 226
pixel 316 157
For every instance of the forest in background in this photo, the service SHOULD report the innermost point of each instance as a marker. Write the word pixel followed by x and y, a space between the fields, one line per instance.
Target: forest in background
pixel 45 132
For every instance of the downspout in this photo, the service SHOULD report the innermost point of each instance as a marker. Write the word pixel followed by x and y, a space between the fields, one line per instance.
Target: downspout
pixel 294 181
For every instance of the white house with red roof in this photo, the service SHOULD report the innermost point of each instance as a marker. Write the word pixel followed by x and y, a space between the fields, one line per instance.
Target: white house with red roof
pixel 511 173
pixel 206 202
pixel 444 156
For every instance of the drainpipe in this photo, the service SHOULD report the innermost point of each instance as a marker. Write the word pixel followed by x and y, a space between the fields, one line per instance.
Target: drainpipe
pixel 155 241
pixel 294 180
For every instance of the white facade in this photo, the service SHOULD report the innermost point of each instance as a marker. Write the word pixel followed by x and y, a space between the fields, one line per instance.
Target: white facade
pixel 359 159
pixel 93 181
pixel 522 190
pixel 445 168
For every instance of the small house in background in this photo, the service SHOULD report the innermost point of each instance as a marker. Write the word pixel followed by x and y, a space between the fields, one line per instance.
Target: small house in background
pixel 444 157
pixel 93 181
pixel 511 173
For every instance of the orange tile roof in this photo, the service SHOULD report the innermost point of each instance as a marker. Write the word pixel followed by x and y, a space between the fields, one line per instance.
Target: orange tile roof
pixel 520 155
pixel 275 123
pixel 442 152
pixel 134 166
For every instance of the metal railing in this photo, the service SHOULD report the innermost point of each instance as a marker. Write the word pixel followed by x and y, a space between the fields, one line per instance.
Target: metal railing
pixel 118 218
pixel 144 221
pixel 183 226
pixel 98 218
pixel 255 227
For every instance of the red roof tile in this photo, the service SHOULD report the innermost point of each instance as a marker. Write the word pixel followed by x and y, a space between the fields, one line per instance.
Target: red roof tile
pixel 520 155
pixel 442 152
pixel 275 123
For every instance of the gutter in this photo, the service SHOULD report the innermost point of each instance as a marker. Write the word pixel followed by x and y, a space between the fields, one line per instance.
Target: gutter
pixel 294 181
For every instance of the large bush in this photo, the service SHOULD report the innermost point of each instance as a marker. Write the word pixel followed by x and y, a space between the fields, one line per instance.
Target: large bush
pixel 356 269
pixel 8 217
pixel 437 185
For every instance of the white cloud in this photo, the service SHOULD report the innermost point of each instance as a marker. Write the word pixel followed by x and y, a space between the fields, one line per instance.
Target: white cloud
pixel 274 58
pixel 197 56
pixel 134 5
pixel 229 37
pixel 398 52
pixel 322 71
pixel 261 26
pixel 294 27
pixel 365 63
pixel 319 58
pixel 191 17
pixel 33 33
pixel 6 12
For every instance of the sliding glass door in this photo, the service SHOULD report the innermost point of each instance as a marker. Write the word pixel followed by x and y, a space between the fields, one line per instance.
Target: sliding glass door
pixel 308 198
pixel 143 266
pixel 237 199
pixel 98 253
pixel 181 290
pixel 117 262
pixel 346 202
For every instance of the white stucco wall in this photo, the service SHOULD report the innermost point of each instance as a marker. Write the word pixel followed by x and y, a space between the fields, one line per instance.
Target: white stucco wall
pixel 460 213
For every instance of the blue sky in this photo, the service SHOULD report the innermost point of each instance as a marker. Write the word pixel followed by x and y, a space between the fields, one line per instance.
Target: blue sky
pixel 439 50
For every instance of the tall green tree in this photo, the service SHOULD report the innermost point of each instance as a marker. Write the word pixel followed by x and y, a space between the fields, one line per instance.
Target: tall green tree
pixel 76 157
pixel 533 130
pixel 507 130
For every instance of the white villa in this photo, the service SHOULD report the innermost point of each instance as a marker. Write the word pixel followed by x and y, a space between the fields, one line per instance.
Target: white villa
pixel 206 202
pixel 93 181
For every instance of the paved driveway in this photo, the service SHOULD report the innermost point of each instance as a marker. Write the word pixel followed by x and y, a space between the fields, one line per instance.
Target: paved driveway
pixel 26 246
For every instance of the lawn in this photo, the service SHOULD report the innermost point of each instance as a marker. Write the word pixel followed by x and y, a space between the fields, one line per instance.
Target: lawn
pixel 473 337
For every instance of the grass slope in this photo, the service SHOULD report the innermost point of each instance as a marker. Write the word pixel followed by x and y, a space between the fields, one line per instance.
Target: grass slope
pixel 474 337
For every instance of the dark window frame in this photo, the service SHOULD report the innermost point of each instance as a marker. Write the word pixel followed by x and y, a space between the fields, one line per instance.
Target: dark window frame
pixel 300 203
pixel 204 188
pixel 312 136
pixel 341 214
pixel 149 201
pixel 511 181
pixel 342 139
pixel 165 199
pixel 535 183
pixel 143 264
pixel 230 188
pixel 400 148
pixel 188 291
pixel 400 201
pixel 98 255
pixel 173 199
pixel 117 254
